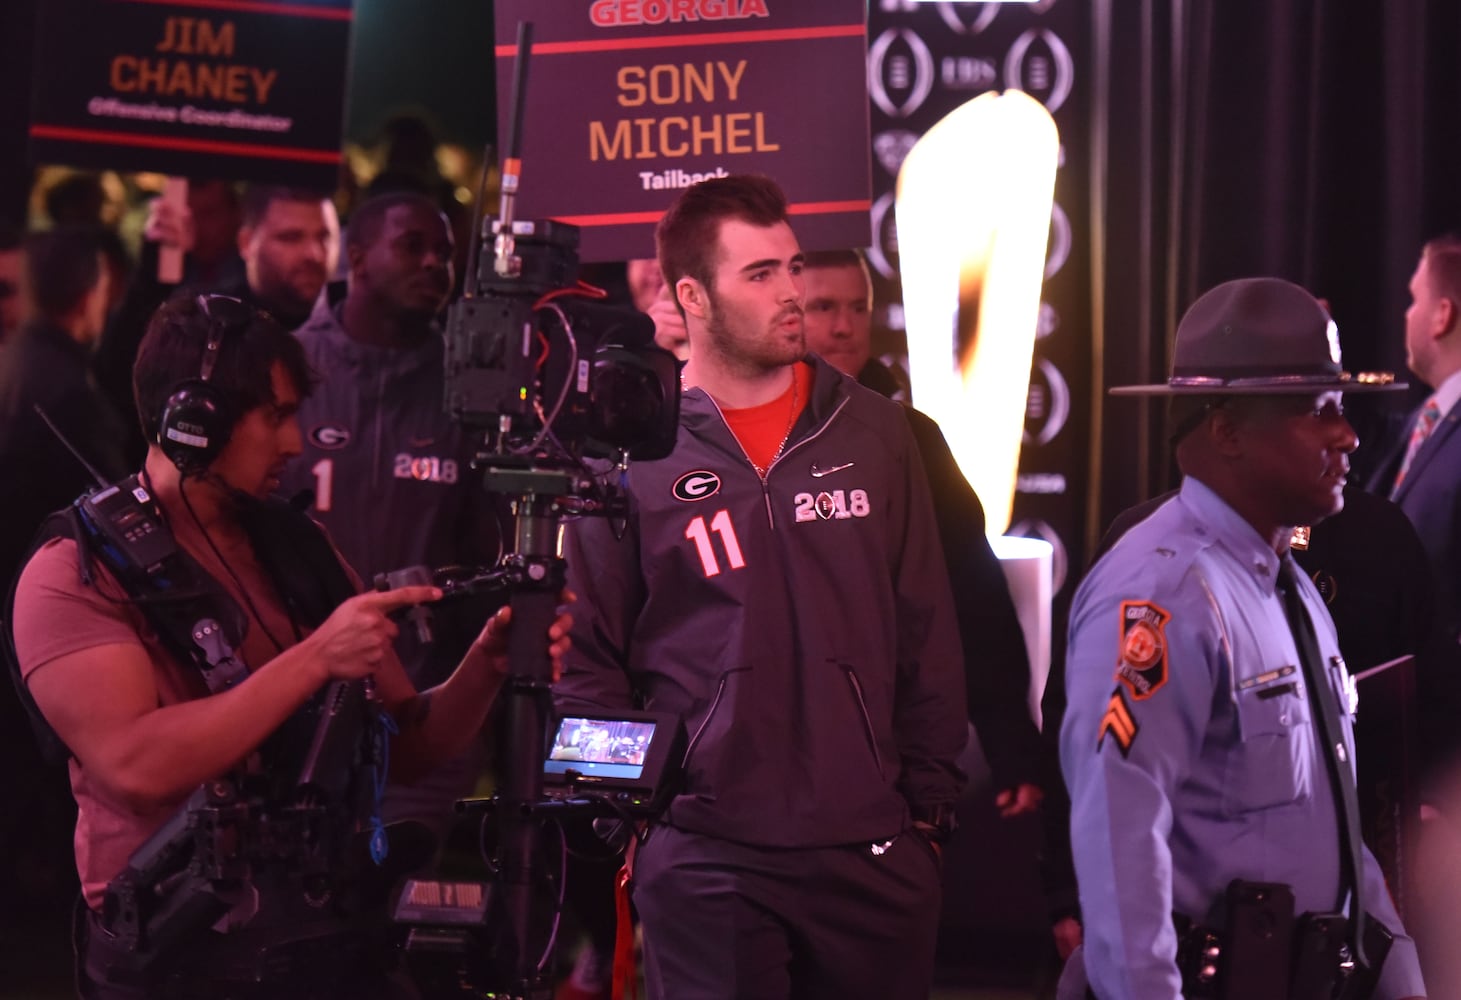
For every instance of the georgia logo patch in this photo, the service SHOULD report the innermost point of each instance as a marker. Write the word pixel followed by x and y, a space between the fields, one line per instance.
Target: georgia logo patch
pixel 329 437
pixel 1142 662
pixel 696 485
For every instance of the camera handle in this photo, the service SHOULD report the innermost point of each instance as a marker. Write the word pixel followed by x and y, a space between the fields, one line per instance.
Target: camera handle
pixel 538 576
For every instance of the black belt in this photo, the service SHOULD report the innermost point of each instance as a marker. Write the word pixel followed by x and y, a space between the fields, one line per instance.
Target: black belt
pixel 1266 953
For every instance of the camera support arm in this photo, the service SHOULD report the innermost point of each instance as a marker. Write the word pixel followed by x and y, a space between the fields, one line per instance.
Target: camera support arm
pixel 538 574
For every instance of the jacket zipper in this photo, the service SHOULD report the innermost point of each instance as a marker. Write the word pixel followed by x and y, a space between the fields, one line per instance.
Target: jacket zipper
pixel 695 740
pixel 764 477
pixel 765 490
pixel 816 433
pixel 867 720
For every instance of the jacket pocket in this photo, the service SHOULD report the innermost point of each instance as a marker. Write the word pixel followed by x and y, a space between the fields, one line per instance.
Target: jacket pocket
pixel 706 721
pixel 859 699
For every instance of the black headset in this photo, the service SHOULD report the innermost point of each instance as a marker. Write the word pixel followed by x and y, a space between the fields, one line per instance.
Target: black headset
pixel 196 419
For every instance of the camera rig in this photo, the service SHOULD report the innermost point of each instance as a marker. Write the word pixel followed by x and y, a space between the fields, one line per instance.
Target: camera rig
pixel 553 380
pixel 549 375
pixel 238 829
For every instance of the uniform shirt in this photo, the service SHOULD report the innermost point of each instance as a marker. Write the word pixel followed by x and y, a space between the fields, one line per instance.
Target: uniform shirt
pixel 1189 750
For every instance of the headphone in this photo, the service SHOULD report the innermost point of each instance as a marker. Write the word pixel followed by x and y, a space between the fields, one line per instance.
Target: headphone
pixel 196 419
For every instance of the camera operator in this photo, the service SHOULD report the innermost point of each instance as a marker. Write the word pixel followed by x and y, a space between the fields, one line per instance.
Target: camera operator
pixel 389 470
pixel 779 584
pixel 143 730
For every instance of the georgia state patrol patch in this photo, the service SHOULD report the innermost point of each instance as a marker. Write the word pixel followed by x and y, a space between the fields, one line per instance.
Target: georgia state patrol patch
pixel 1118 724
pixel 1142 662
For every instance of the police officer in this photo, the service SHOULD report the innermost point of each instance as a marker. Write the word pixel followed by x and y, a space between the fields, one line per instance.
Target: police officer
pixel 1191 744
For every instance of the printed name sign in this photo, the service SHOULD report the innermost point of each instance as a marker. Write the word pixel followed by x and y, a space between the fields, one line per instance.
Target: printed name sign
pixel 629 101
pixel 243 90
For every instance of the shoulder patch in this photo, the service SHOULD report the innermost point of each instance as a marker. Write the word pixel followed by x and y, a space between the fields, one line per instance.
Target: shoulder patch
pixel 1118 724
pixel 1141 663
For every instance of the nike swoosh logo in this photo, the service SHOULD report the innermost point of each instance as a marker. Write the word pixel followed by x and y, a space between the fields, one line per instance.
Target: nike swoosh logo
pixel 818 472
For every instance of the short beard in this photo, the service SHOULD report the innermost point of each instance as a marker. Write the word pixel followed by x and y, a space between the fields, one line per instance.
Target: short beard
pixel 751 362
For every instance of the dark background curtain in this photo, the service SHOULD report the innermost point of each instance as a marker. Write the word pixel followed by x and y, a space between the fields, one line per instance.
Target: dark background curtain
pixel 1312 140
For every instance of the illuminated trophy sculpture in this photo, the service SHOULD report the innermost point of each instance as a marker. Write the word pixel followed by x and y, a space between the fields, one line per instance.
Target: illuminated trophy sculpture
pixel 973 210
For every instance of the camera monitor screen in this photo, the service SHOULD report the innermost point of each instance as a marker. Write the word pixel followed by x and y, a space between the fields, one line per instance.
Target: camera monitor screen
pixel 621 751
pixel 609 748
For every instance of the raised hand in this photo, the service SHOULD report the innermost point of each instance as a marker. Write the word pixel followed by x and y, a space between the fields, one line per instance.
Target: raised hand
pixel 168 224
pixel 669 325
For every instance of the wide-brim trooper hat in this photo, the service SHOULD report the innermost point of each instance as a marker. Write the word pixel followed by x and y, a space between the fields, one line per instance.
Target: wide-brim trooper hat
pixel 1258 337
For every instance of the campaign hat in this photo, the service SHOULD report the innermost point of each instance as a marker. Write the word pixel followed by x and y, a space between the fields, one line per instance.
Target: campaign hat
pixel 1259 337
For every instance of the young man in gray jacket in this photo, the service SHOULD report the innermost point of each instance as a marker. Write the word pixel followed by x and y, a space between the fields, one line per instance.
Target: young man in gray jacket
pixel 781 587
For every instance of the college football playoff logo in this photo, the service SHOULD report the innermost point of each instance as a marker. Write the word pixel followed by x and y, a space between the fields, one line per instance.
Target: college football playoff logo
pixel 950 12
pixel 1060 240
pixel 900 72
pixel 883 254
pixel 1048 406
pixel 1039 64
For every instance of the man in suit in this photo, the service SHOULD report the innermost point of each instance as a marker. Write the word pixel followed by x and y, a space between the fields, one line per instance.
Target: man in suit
pixel 1423 473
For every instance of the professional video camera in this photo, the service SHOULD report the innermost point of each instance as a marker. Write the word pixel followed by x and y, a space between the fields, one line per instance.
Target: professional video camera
pixel 551 375
pixel 552 378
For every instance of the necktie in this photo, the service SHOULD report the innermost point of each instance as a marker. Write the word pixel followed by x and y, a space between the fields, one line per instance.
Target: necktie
pixel 1336 750
pixel 1425 422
